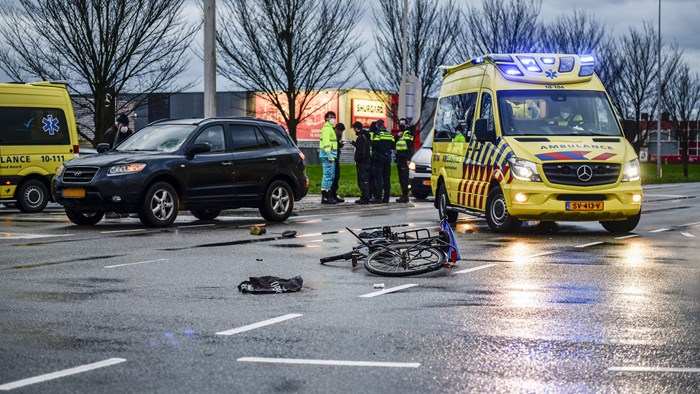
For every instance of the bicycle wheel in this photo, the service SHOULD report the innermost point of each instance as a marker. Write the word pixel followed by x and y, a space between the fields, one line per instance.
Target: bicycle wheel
pixel 404 260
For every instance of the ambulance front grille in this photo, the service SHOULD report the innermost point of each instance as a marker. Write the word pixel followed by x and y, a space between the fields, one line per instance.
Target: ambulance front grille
pixel 577 174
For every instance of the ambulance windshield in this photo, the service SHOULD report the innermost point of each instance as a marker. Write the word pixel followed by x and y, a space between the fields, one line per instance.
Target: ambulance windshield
pixel 560 112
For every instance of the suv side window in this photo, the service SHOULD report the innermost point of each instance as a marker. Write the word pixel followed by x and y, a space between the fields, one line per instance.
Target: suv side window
pixel 246 138
pixel 33 126
pixel 275 137
pixel 214 136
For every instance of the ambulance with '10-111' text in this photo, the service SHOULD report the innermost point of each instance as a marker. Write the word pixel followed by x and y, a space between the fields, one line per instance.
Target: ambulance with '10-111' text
pixel 532 137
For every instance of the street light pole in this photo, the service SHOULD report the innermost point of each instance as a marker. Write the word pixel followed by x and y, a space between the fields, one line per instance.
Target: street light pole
pixel 209 58
pixel 658 104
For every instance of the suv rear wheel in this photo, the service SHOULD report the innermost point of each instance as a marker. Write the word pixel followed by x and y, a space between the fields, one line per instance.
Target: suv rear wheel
pixel 278 203
pixel 32 196
pixel 160 205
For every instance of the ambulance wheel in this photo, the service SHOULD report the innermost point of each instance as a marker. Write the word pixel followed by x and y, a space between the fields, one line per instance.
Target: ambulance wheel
pixel 442 203
pixel 497 215
pixel 32 196
pixel 623 226
pixel 84 218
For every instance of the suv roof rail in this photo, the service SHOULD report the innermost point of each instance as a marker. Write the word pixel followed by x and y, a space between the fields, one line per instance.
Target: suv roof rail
pixel 159 121
pixel 242 118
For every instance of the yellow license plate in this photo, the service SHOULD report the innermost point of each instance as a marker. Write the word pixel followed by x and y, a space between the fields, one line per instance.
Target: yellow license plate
pixel 426 183
pixel 584 206
pixel 75 192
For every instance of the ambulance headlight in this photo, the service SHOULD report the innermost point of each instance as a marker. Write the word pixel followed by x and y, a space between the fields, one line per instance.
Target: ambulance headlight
pixel 631 171
pixel 524 170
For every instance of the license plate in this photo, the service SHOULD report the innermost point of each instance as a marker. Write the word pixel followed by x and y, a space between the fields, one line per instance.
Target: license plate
pixel 75 192
pixel 584 206
pixel 426 183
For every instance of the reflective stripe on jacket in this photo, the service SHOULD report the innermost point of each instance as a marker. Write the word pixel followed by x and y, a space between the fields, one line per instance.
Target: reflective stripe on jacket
pixel 328 145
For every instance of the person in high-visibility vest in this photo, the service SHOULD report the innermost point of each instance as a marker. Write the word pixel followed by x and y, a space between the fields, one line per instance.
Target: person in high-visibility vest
pixel 382 144
pixel 328 148
pixel 404 151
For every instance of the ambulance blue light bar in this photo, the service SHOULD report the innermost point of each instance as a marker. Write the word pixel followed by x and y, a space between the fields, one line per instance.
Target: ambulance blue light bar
pixel 566 64
pixel 547 60
pixel 586 59
pixel 529 63
pixel 501 58
pixel 510 69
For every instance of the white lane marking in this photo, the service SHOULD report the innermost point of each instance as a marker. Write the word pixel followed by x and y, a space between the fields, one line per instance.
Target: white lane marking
pixel 588 244
pixel 687 234
pixel 259 324
pixel 133 230
pixel 389 290
pixel 60 374
pixel 690 224
pixel 30 236
pixel 627 236
pixel 138 262
pixel 653 369
pixel 474 268
pixel 658 230
pixel 328 362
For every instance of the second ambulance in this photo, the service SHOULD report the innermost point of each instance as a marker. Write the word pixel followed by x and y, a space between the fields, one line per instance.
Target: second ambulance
pixel 532 137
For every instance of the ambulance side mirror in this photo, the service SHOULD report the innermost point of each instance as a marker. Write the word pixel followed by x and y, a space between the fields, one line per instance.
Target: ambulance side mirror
pixel 630 130
pixel 482 133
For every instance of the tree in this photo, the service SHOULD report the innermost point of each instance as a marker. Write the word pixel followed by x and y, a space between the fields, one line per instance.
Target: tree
pixel 577 33
pixel 104 48
pixel 287 51
pixel 500 27
pixel 432 33
pixel 681 99
pixel 638 76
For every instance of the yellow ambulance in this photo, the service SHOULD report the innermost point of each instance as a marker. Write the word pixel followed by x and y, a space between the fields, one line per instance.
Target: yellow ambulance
pixel 532 137
pixel 37 134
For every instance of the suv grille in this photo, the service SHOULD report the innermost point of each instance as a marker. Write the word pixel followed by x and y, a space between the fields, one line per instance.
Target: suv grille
pixel 79 174
pixel 581 174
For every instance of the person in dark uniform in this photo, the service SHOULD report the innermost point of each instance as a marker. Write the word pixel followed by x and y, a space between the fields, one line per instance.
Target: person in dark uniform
pixel 372 183
pixel 404 152
pixel 363 162
pixel 382 144
pixel 333 193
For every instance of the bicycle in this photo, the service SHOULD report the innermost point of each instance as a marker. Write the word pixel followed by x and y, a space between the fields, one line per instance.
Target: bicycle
pixel 395 254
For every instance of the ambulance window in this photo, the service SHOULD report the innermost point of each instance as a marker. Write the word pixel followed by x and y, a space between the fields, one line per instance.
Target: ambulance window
pixel 455 115
pixel 33 126
pixel 487 111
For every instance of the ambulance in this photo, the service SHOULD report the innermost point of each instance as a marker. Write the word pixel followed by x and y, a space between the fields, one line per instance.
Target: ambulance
pixel 37 134
pixel 522 137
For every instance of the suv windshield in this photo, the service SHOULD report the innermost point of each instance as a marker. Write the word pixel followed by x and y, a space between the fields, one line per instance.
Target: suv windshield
pixel 162 138
pixel 561 112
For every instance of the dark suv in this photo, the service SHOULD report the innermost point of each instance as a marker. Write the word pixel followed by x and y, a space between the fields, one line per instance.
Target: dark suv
pixel 202 165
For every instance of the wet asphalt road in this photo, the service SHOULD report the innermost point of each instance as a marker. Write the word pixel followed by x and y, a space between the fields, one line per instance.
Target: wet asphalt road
pixel 576 310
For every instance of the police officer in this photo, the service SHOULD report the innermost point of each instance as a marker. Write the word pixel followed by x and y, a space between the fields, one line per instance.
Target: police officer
pixel 382 144
pixel 404 152
pixel 328 148
pixel 363 162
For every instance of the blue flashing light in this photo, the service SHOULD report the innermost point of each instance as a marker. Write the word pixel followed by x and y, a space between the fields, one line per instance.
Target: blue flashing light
pixel 548 60
pixel 510 69
pixel 501 58
pixel 587 59
pixel 529 63
pixel 586 70
pixel 566 64
pixel 478 60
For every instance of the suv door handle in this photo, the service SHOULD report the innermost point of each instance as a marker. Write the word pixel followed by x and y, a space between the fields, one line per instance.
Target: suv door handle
pixel 226 163
pixel 271 158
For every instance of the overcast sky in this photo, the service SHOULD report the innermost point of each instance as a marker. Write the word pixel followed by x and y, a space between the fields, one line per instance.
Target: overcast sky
pixel 680 22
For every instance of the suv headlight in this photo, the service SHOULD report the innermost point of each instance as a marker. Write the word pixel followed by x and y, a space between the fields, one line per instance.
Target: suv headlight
pixel 126 169
pixel 524 170
pixel 61 169
pixel 631 171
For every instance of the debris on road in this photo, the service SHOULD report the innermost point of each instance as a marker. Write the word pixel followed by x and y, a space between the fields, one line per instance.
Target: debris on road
pixel 270 285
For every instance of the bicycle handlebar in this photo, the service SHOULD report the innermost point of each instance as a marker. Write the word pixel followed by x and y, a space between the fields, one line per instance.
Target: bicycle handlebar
pixel 344 256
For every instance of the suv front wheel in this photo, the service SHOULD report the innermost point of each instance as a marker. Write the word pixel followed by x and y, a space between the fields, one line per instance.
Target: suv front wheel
pixel 160 205
pixel 278 202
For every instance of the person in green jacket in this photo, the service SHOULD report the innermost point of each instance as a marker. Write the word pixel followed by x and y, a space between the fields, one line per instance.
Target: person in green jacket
pixel 328 153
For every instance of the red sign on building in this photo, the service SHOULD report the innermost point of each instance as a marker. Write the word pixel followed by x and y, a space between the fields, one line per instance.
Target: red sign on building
pixel 312 119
